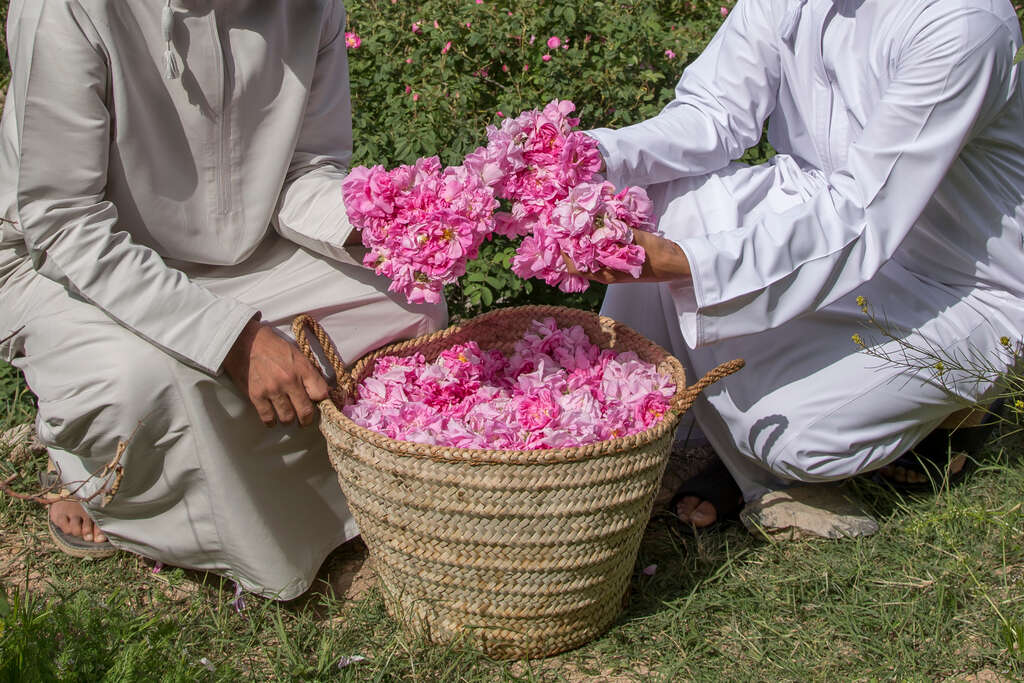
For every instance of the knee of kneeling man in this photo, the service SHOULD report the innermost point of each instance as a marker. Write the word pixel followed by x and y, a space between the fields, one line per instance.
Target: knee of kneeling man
pixel 103 407
pixel 807 463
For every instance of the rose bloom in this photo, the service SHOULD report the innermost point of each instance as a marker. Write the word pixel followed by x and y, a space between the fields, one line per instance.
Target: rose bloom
pixel 352 40
pixel 554 42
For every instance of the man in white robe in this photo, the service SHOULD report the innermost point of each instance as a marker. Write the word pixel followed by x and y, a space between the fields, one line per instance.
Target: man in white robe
pixel 899 177
pixel 171 188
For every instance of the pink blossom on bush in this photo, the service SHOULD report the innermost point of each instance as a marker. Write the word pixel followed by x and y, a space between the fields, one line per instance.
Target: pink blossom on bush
pixel 352 40
pixel 447 46
pixel 416 27
pixel 724 11
pixel 669 54
pixel 554 42
pixel 546 58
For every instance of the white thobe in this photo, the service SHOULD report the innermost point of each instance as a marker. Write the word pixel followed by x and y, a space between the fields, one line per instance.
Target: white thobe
pixel 150 219
pixel 899 128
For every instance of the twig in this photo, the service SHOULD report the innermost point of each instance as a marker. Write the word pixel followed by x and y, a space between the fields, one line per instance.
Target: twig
pixel 114 469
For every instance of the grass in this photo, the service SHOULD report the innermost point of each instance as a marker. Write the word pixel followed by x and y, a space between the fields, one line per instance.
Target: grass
pixel 935 595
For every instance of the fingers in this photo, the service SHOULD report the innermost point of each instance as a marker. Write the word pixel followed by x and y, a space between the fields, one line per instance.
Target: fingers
pixel 279 381
pixel 265 409
pixel 283 407
pixel 291 397
pixel 314 383
pixel 302 407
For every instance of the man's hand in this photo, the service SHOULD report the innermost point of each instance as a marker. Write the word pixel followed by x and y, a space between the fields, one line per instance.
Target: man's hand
pixel 271 371
pixel 664 261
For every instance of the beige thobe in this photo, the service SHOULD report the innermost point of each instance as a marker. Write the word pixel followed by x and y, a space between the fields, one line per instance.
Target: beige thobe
pixel 151 218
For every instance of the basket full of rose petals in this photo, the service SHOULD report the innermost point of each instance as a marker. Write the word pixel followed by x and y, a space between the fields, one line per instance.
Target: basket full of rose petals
pixel 502 471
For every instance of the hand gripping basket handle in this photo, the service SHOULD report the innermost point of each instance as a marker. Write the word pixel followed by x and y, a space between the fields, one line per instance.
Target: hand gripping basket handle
pixel 724 370
pixel 299 326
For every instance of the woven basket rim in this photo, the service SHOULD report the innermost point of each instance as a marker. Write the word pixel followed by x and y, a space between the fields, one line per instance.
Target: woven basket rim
pixel 331 411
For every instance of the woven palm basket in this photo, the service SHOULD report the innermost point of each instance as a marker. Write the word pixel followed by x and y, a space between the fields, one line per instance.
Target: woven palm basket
pixel 527 553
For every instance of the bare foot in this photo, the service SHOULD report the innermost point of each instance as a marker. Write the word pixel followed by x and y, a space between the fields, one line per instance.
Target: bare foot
pixel 699 513
pixel 70 517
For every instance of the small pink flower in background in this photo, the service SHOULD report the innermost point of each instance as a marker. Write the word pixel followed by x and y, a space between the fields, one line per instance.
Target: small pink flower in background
pixel 650 570
pixel 416 27
pixel 554 42
pixel 468 24
pixel 669 54
pixel 436 25
pixel 408 60
pixel 352 40
pixel 504 67
pixel 546 58
pixel 500 115
pixel 415 97
pixel 526 67
pixel 447 46
pixel 408 89
pixel 532 38
pixel 724 10
pixel 479 2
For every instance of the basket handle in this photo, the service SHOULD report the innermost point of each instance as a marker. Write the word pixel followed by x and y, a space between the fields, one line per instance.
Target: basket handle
pixel 299 326
pixel 713 375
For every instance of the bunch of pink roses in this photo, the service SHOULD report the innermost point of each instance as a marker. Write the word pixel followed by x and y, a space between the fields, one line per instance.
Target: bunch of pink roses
pixel 420 223
pixel 557 390
pixel 423 223
pixel 559 202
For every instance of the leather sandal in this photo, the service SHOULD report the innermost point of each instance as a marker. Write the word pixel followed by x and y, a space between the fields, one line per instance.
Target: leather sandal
pixel 70 544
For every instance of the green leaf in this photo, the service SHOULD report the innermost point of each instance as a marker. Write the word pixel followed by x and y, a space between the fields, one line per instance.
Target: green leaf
pixel 1019 57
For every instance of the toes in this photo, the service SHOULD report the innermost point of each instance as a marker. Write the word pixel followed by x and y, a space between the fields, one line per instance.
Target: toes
pixel 74 526
pixel 71 518
pixel 704 515
pixel 87 530
pixel 686 508
pixel 699 513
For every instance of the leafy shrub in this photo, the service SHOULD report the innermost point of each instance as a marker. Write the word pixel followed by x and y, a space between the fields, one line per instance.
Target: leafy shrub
pixel 428 77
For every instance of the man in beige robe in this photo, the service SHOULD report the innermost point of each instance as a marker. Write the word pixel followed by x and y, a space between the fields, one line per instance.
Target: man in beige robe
pixel 171 184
